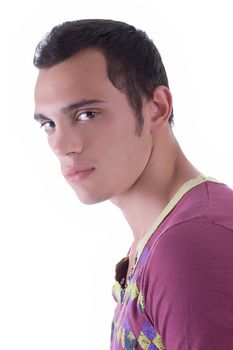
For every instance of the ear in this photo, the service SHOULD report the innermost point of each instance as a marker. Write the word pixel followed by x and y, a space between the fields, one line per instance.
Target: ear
pixel 160 107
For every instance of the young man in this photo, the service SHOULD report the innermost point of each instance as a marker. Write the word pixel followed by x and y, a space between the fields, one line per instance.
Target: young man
pixel 102 97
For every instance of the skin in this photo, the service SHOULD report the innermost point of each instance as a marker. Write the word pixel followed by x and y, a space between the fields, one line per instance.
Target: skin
pixel 138 174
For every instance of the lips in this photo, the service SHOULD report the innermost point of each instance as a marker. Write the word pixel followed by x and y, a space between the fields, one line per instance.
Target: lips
pixel 76 174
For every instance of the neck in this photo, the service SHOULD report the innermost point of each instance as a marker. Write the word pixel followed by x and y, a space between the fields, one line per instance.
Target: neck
pixel 166 171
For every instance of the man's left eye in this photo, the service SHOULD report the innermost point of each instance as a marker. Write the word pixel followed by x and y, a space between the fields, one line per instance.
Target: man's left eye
pixel 47 125
pixel 86 116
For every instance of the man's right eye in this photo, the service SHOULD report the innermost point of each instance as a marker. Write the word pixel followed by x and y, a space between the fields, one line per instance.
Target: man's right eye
pixel 47 125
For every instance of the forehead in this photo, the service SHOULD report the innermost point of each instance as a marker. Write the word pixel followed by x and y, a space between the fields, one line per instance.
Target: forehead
pixel 84 74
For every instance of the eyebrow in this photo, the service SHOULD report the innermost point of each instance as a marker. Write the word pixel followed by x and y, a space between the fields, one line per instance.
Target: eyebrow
pixel 69 108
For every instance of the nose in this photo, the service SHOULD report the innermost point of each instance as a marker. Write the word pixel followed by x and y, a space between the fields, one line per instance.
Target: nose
pixel 65 141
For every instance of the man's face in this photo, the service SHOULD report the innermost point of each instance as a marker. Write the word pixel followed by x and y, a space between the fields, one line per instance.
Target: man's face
pixel 91 128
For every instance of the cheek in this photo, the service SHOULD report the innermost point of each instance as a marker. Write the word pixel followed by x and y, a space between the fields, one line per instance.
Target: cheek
pixel 51 144
pixel 125 157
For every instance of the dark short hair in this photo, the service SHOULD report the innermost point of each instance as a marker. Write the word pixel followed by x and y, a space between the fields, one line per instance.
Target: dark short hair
pixel 134 64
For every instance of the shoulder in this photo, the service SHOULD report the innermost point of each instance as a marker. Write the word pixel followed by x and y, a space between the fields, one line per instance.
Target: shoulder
pixel 189 244
pixel 210 200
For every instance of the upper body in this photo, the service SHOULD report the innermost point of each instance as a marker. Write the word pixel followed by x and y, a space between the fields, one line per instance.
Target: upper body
pixel 180 294
pixel 103 98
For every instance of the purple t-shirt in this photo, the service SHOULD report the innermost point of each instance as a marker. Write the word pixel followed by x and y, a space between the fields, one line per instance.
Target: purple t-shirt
pixel 180 296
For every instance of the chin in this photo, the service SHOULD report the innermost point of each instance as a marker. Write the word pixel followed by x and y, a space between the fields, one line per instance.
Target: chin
pixel 91 198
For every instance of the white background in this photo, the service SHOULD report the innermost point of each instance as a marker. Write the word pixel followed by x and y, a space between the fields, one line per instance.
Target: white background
pixel 57 256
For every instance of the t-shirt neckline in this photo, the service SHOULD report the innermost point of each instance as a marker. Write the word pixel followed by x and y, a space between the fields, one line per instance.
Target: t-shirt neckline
pixel 168 208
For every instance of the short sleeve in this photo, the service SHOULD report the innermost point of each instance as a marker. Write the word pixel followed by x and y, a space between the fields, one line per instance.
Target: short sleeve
pixel 188 286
